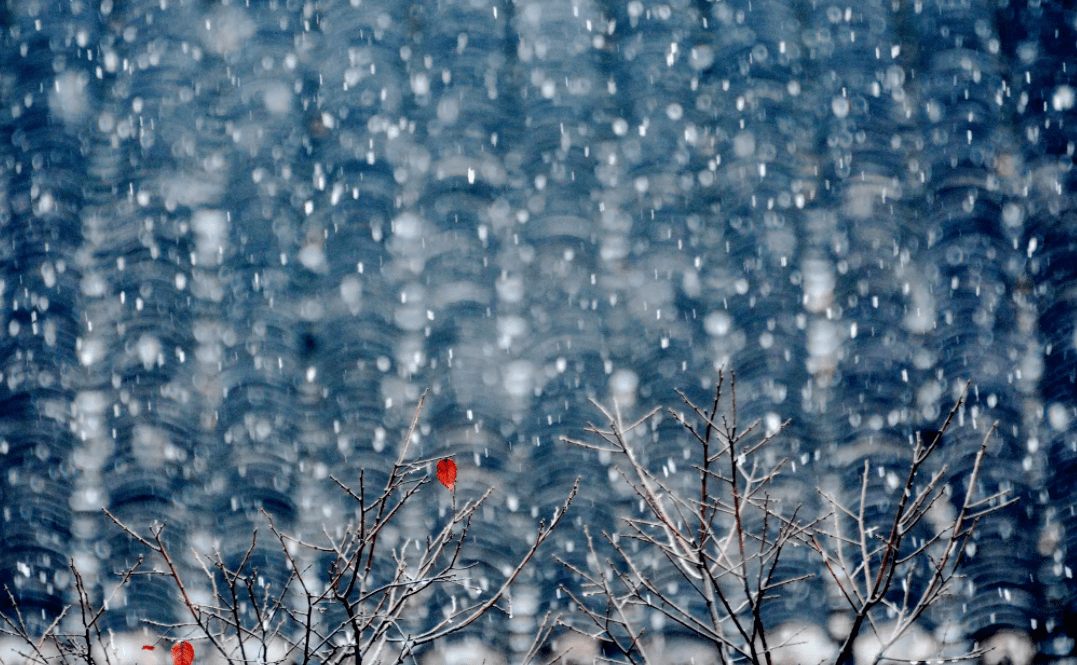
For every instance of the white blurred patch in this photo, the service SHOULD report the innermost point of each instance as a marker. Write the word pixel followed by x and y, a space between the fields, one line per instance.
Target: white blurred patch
pixel 44 204
pixel 460 291
pixel 818 284
pixel 48 274
pixel 448 110
pixel 1059 417
pixel 91 350
pixel 650 299
pixel 420 84
pixel 717 324
pixel 927 398
pixel 744 144
pixel 509 328
pixel 863 196
pixel 1031 367
pixel 665 650
pixel 277 98
pixel 1008 647
pixel 67 99
pixel 410 314
pixel 1013 215
pixel 1063 99
pixel 407 228
pixel 149 351
pixel 313 257
pixel 624 384
pixel 615 248
pixel 471 652
pixel 510 288
pixel 91 402
pixel 312 309
pixel 209 351
pixel 920 314
pixel 351 292
pixel 772 423
pixel 211 232
pixel 518 378
pixel 801 644
pixel 93 285
pixel 258 429
pixel 411 354
pixel 182 189
pixel 151 446
pixel 840 106
pixel 915 645
pixel 823 346
pixel 227 30
pixel 701 57
pixel 126 647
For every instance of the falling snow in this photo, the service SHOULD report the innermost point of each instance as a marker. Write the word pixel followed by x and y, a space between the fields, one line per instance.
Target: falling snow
pixel 239 241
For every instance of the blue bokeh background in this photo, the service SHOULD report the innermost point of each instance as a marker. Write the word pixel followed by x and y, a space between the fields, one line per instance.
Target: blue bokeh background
pixel 239 239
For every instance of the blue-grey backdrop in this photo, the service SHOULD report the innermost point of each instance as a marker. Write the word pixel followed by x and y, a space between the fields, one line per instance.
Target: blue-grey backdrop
pixel 238 239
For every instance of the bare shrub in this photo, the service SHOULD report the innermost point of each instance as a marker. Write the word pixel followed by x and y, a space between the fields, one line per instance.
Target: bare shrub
pixel 728 544
pixel 341 614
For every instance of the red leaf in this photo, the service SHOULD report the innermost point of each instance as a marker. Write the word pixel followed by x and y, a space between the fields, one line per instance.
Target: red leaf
pixel 182 654
pixel 447 473
pixel 148 648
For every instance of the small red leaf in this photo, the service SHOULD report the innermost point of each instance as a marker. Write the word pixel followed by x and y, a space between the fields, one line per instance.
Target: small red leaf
pixel 447 473
pixel 182 654
pixel 148 648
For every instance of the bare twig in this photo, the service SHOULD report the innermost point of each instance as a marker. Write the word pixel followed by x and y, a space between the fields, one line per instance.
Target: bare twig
pixel 881 555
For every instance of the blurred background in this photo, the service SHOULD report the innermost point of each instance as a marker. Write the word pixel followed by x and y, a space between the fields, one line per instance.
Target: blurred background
pixel 238 239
